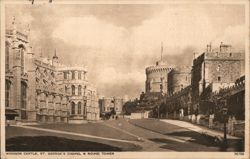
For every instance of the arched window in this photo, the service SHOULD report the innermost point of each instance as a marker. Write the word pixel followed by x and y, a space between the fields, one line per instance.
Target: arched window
pixel 7 56
pixel 21 51
pixel 79 107
pixel 7 93
pixel 79 75
pixel 79 90
pixel 73 90
pixel 72 108
pixel 23 94
pixel 73 74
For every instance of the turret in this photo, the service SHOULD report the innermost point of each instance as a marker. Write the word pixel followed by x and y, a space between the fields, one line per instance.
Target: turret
pixel 55 59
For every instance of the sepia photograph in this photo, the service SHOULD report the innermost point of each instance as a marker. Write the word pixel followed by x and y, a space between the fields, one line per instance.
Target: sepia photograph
pixel 115 79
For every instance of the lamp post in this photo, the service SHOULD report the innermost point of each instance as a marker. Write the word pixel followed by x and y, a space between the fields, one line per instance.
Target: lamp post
pixel 224 111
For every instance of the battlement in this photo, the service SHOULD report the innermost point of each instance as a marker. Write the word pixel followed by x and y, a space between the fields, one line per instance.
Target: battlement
pixel 225 52
pixel 224 56
pixel 239 85
pixel 181 69
pixel 158 68
pixel 179 93
pixel 235 88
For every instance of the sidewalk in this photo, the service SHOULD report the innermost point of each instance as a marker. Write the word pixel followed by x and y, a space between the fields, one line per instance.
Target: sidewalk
pixel 199 129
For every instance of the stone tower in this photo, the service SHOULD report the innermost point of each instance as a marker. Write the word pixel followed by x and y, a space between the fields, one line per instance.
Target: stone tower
pixel 17 46
pixel 156 76
pixel 215 69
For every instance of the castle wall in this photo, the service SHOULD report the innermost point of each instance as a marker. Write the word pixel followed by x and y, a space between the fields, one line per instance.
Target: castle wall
pixel 178 79
pixel 220 69
pixel 107 104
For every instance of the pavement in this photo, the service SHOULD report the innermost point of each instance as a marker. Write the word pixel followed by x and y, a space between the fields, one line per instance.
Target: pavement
pixel 72 133
pixel 199 129
pixel 19 133
pixel 130 135
pixel 161 136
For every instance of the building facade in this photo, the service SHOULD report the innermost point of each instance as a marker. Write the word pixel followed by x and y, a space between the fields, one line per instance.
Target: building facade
pixel 108 104
pixel 217 68
pixel 30 83
pixel 36 88
pixel 93 110
pixel 216 83
pixel 73 80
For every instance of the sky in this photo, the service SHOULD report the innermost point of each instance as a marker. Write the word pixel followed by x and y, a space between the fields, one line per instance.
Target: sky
pixel 118 41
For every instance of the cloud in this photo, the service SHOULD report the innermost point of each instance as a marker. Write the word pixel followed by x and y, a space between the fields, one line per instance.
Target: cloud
pixel 177 28
pixel 234 35
pixel 121 54
pixel 117 42
pixel 91 32
pixel 111 74
pixel 116 83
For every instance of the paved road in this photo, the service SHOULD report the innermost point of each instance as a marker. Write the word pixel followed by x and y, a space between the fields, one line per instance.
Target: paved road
pixel 150 135
pixel 174 138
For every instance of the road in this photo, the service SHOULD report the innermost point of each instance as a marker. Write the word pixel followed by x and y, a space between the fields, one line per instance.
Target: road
pixel 123 135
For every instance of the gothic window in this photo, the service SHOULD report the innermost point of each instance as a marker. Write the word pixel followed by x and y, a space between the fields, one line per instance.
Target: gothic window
pixel 79 107
pixel 7 57
pixel 79 90
pixel 72 108
pixel 73 74
pixel 23 95
pixel 21 51
pixel 73 90
pixel 7 93
pixel 79 75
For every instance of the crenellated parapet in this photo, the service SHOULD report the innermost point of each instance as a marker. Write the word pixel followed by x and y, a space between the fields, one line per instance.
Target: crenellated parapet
pixel 237 87
pixel 153 69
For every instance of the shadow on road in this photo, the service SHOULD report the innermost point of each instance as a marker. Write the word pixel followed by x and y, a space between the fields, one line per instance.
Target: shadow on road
pixel 52 143
pixel 182 147
pixel 197 138
pixel 209 141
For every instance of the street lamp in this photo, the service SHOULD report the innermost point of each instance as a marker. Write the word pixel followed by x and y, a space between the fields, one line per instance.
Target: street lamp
pixel 224 111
